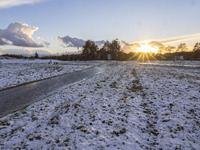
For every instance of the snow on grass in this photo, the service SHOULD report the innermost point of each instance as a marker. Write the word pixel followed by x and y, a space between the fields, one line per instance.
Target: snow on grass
pixel 180 63
pixel 16 72
pixel 172 105
pixel 126 107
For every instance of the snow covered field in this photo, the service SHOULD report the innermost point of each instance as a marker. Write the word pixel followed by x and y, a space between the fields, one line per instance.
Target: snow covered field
pixel 180 63
pixel 129 106
pixel 16 72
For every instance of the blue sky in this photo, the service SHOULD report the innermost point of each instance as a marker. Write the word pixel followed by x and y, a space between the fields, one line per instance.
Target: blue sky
pixel 128 20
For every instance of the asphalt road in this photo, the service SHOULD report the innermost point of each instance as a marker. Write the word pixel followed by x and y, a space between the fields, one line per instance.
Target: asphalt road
pixel 19 97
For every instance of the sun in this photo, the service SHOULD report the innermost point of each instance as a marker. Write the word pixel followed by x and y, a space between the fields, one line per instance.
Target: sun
pixel 147 49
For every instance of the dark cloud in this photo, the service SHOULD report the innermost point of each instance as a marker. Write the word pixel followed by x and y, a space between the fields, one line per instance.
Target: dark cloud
pixel 46 43
pixel 71 42
pixel 18 34
pixel 131 45
pixel 75 42
pixel 125 43
pixel 2 42
pixel 156 43
pixel 99 43
pixel 135 45
pixel 127 47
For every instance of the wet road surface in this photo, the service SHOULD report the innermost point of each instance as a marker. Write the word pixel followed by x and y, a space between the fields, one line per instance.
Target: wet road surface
pixel 17 98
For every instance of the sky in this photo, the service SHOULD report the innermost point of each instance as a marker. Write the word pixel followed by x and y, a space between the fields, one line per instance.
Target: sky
pixel 62 26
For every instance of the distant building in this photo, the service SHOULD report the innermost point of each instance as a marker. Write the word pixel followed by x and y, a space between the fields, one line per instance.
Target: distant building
pixel 109 57
pixel 178 58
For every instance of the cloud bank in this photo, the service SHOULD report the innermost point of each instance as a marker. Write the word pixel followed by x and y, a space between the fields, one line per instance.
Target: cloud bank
pixel 25 51
pixel 18 34
pixel 12 3
pixel 156 43
pixel 130 47
pixel 161 44
pixel 75 42
pixel 181 38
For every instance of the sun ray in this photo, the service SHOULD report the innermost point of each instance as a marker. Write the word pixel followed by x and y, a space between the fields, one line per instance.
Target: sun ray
pixel 147 56
pixel 145 53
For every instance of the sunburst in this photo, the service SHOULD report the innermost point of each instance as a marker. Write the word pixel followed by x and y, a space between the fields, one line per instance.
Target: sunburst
pixel 145 53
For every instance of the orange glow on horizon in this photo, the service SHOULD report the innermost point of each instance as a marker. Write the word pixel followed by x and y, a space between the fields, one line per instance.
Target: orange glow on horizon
pixel 147 49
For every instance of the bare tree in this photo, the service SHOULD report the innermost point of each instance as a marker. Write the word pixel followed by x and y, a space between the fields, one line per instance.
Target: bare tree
pixel 36 55
pixel 169 49
pixel 196 47
pixel 181 47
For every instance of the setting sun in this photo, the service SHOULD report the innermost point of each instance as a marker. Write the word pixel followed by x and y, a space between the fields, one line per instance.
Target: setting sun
pixel 147 49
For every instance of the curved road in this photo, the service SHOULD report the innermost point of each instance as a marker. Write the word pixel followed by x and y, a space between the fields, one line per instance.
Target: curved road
pixel 17 98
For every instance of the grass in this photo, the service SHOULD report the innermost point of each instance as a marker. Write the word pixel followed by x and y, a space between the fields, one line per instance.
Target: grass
pixel 133 72
pixel 54 120
pixel 98 85
pixel 113 84
pixel 121 131
pixel 136 86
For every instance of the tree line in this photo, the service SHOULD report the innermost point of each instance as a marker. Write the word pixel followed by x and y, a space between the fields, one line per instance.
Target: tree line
pixel 113 51
pixel 182 47
pixel 92 52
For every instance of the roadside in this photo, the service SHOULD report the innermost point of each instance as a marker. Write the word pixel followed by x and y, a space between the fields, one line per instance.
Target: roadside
pixel 17 98
pixel 16 72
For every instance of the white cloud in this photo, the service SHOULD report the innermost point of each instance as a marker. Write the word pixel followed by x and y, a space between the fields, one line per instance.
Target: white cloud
pixel 18 34
pixel 12 3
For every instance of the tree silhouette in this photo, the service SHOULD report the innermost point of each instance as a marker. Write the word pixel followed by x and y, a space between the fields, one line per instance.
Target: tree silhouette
pixel 169 49
pixel 90 50
pixel 196 47
pixel 181 47
pixel 102 54
pixel 196 50
pixel 106 46
pixel 104 51
pixel 36 55
pixel 115 49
